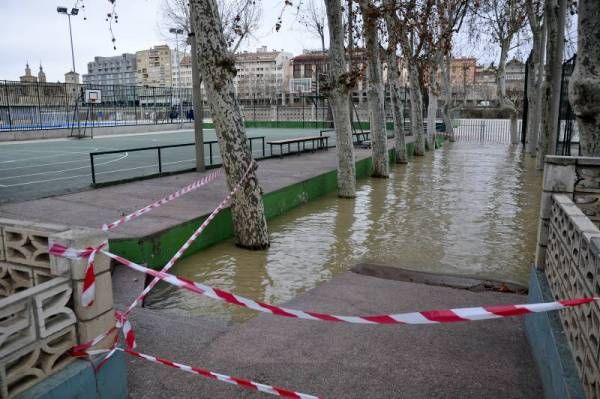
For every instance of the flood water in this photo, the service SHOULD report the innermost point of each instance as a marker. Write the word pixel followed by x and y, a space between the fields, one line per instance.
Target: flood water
pixel 467 208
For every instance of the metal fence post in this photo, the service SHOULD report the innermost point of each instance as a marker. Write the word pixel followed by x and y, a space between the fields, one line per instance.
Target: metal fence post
pixel 8 105
pixel 39 105
pixel 159 161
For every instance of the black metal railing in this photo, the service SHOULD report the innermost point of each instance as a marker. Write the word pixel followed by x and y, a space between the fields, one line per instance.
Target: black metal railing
pixel 137 164
pixel 567 139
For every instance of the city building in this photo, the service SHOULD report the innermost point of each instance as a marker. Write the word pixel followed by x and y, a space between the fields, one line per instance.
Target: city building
pixel 117 70
pixel 462 71
pixel 311 68
pixel 29 78
pixel 261 75
pixel 515 75
pixel 154 67
pixel 72 77
pixel 185 71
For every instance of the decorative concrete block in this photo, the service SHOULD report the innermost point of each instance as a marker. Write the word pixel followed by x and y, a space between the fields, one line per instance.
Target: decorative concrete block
pixel 79 238
pixel 559 178
pixel 102 302
pixel 591 328
pixel 88 330
pixel 54 348
pixel 52 311
pixel 20 371
pixel 14 278
pixel 33 363
pixel 18 326
pixel 41 276
pixel 27 243
pixel 591 378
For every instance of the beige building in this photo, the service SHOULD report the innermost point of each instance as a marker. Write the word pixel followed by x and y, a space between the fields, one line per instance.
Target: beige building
pixel 185 70
pixel 29 78
pixel 262 75
pixel 154 67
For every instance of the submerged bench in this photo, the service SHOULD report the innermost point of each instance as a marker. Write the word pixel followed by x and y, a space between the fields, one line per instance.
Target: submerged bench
pixel 317 143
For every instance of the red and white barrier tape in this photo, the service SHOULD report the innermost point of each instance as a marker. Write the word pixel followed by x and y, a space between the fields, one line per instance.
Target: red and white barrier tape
pixel 122 321
pixel 248 384
pixel 424 317
pixel 193 237
pixel 89 280
pixel 184 190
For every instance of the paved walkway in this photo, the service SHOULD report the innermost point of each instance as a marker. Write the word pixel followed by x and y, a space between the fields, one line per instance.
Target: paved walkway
pixel 333 360
pixel 94 207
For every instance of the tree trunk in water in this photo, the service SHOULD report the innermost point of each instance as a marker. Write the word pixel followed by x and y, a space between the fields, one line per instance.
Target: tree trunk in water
pixel 397 111
pixel 197 103
pixel 340 101
pixel 555 16
pixel 416 109
pixel 217 67
pixel 533 82
pixel 584 85
pixel 447 89
pixel 432 107
pixel 375 94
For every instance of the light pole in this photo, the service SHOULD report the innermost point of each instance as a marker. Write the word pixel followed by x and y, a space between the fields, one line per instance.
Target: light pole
pixel 178 32
pixel 65 11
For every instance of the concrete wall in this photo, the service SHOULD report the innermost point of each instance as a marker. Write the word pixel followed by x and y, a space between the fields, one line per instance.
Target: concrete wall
pixel 568 255
pixel 41 310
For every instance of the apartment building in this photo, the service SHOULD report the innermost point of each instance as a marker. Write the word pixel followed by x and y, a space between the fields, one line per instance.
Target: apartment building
pixel 154 67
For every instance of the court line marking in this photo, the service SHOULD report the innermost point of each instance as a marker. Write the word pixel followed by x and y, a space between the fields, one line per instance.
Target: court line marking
pixel 64 170
pixel 89 174
pixel 84 159
pixel 48 156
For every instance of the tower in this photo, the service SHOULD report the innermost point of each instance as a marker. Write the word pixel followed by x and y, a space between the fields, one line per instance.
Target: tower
pixel 41 75
pixel 28 77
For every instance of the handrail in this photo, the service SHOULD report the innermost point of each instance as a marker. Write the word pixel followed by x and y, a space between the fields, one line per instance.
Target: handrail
pixel 160 148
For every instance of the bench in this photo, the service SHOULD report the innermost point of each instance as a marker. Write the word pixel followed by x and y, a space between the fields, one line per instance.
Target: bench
pixel 317 143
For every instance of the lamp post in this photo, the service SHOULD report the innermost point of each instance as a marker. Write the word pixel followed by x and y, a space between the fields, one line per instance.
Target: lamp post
pixel 65 11
pixel 178 32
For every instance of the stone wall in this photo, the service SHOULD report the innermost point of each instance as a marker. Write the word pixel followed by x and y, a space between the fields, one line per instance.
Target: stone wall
pixel 41 316
pixel 568 252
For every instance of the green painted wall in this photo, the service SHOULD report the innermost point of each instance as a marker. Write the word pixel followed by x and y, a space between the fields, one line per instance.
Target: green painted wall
pixel 156 250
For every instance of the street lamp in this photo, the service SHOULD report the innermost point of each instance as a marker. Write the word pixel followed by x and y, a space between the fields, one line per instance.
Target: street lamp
pixel 178 32
pixel 65 11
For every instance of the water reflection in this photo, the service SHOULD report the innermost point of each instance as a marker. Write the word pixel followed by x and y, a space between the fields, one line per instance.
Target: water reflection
pixel 468 208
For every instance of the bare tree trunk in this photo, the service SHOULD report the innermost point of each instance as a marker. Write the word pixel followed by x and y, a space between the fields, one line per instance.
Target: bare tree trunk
pixel 397 111
pixel 432 104
pixel 375 94
pixel 555 16
pixel 533 117
pixel 416 109
pixel 197 103
pixel 584 85
pixel 340 101
pixel 501 72
pixel 217 67
pixel 447 89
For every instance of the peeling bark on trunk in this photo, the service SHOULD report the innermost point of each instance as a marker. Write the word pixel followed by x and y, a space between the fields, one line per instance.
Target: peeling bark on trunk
pixel 217 67
pixel 584 85
pixel 555 16
pixel 501 72
pixel 197 103
pixel 339 98
pixel 534 82
pixel 432 104
pixel 447 99
pixel 416 109
pixel 397 111
pixel 375 94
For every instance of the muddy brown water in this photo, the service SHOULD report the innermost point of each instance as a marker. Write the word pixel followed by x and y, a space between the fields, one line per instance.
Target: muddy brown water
pixel 469 209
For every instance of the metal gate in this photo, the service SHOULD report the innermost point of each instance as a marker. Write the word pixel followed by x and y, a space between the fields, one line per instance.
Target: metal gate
pixel 567 137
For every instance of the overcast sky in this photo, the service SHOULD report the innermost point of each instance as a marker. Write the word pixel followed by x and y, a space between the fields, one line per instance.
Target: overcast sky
pixel 32 30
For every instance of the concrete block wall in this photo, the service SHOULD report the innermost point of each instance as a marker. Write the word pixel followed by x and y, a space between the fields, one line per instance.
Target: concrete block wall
pixel 568 254
pixel 40 303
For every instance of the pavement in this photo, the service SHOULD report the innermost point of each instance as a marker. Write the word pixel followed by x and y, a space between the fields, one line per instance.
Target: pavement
pixel 459 360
